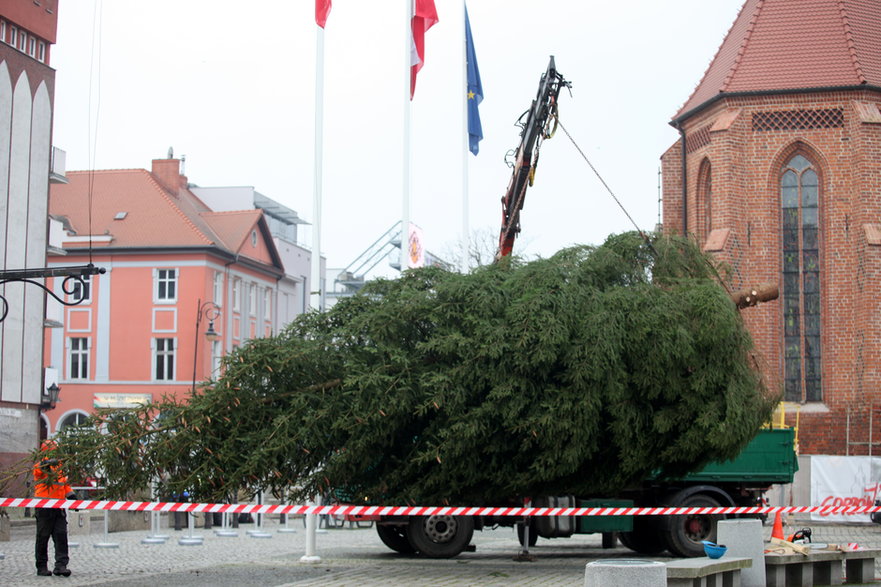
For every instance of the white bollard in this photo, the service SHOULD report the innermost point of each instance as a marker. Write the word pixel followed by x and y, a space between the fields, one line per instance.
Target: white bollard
pixel 190 539
pixel 258 531
pixel 226 531
pixel 325 517
pixel 310 556
pixel 625 573
pixel 286 529
pixel 154 537
pixel 106 543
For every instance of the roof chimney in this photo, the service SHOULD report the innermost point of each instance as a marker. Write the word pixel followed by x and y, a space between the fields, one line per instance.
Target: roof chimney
pixel 168 173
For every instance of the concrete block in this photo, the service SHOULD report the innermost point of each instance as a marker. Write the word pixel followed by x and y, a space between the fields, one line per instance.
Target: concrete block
pixel 79 523
pixel 860 570
pixel 789 570
pixel 828 572
pixel 625 573
pixel 706 572
pixel 125 521
pixel 744 538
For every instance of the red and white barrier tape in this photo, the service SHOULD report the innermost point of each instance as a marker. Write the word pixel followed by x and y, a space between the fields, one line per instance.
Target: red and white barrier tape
pixel 364 510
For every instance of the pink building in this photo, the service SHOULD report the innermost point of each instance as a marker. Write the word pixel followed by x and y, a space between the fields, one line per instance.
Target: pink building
pixel 171 264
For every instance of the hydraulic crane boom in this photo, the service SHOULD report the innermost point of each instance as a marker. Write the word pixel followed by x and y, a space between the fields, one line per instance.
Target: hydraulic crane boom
pixel 536 128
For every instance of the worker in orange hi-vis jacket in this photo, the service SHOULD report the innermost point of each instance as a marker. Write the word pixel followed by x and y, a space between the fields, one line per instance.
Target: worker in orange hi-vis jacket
pixel 50 483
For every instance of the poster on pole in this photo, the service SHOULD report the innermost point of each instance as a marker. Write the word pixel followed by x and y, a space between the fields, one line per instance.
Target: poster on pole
pixel 844 481
pixel 415 250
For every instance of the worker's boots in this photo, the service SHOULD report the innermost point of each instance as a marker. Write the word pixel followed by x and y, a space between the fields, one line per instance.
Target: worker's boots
pixel 44 572
pixel 61 570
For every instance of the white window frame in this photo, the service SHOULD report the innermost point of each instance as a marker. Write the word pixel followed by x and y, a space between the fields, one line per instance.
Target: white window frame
pixel 13 36
pixel 166 355
pixel 161 277
pixel 22 41
pixel 78 417
pixel 218 289
pixel 237 295
pixel 41 52
pixel 304 295
pixel 82 292
pixel 78 355
pixel 2 31
pixel 252 299
pixel 267 304
pixel 32 46
pixel 216 356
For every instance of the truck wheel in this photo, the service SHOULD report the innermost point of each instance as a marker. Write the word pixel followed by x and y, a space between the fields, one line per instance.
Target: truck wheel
pixel 533 534
pixel 646 536
pixel 395 537
pixel 440 536
pixel 683 534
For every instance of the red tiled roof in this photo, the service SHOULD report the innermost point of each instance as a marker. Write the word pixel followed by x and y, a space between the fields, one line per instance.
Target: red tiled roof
pixel 131 207
pixel 789 45
pixel 153 217
pixel 232 227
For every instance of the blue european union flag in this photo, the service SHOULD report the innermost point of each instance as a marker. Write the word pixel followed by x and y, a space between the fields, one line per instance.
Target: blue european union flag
pixel 475 90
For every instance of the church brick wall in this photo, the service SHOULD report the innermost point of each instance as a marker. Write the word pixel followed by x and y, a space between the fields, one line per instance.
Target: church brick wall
pixel 746 140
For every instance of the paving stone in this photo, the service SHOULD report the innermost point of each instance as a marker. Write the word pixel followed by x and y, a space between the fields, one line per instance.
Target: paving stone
pixel 349 556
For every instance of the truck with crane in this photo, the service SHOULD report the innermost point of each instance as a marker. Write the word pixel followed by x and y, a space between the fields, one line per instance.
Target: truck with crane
pixel 769 459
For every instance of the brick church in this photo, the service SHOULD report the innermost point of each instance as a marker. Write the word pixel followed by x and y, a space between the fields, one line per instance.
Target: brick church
pixel 777 172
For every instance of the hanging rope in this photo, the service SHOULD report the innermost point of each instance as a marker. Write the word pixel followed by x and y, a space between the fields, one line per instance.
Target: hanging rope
pixel 603 181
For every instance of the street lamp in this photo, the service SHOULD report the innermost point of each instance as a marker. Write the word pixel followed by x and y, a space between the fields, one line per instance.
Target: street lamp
pixel 211 311
pixel 49 397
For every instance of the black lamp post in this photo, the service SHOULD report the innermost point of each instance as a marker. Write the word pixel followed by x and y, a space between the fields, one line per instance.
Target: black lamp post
pixel 210 311
pixel 49 397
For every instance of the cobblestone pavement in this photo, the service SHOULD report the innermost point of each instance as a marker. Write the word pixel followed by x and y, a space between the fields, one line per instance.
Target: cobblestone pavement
pixel 349 556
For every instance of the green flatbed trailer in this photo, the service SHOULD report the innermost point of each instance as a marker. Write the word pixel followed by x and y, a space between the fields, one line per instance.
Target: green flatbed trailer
pixel 769 459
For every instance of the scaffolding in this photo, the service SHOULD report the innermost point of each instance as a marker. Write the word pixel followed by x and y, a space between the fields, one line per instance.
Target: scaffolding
pixel 352 278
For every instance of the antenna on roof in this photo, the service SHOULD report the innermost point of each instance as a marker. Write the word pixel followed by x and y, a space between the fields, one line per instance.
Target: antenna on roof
pixel 171 152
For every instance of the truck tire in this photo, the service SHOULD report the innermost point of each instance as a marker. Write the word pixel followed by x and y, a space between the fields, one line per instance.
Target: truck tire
pixel 395 537
pixel 683 534
pixel 646 536
pixel 440 536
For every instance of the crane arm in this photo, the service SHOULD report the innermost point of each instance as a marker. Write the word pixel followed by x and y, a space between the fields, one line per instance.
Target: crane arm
pixel 535 129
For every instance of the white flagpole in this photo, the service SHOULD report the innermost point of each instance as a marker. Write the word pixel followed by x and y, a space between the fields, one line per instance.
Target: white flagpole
pixel 315 269
pixel 405 207
pixel 466 229
pixel 315 273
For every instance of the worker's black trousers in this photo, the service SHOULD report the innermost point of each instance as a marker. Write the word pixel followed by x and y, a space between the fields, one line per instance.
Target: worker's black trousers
pixel 51 522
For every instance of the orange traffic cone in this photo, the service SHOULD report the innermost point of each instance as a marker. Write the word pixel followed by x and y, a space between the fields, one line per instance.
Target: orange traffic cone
pixel 777 532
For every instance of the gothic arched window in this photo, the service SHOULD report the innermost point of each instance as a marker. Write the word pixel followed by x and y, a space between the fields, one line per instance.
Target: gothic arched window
pixel 799 200
pixel 705 196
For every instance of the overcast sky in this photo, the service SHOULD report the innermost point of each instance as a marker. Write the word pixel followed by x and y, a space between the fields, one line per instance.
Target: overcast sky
pixel 234 91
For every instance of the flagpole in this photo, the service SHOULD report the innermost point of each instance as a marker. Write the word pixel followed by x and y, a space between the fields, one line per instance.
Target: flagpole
pixel 315 281
pixel 466 229
pixel 405 200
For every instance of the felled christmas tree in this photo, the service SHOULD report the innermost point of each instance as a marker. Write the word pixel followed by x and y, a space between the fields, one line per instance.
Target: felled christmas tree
pixel 582 373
